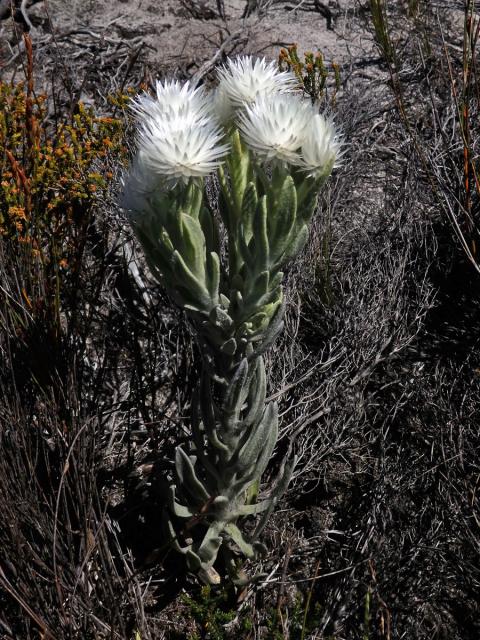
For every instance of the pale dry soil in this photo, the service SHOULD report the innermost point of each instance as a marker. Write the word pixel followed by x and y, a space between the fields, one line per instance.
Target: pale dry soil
pixel 172 39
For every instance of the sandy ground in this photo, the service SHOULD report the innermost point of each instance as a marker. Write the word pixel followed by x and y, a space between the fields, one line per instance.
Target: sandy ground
pixel 172 38
pixel 173 34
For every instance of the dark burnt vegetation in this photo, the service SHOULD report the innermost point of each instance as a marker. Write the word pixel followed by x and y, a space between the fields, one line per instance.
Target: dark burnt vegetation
pixel 377 372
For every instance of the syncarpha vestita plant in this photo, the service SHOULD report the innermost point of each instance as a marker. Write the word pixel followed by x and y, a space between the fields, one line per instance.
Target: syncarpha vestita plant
pixel 272 151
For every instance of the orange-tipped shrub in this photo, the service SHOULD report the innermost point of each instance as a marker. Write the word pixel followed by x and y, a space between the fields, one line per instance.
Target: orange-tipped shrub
pixel 318 80
pixel 52 174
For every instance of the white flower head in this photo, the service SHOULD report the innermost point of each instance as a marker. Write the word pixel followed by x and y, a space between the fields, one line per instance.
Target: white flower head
pixel 173 101
pixel 178 137
pixel 275 127
pixel 245 79
pixel 178 151
pixel 322 148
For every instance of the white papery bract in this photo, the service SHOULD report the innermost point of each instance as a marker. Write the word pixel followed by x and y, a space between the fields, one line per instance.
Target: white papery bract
pixel 181 149
pixel 321 150
pixel 243 80
pixel 275 126
pixel 174 101
pixel 179 137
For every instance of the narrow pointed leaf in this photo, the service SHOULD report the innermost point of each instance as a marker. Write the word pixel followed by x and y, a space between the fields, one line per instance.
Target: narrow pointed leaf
pixel 257 395
pixel 249 206
pixel 262 250
pixel 179 510
pixel 191 282
pixel 188 479
pixel 285 214
pixel 276 493
pixel 207 551
pixel 237 536
pixel 262 435
pixel 193 249
pixel 254 509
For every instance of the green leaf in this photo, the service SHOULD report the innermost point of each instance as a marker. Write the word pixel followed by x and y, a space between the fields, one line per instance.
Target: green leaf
pixel 226 202
pixel 188 479
pixel 262 250
pixel 193 249
pixel 261 440
pixel 235 396
pixel 237 536
pixel 285 210
pixel 184 297
pixel 224 301
pixel 208 457
pixel 179 510
pixel 253 509
pixel 229 347
pixel 257 393
pixel 260 286
pixel 271 332
pixel 207 551
pixel 271 417
pixel 283 217
pixel 192 203
pixel 276 281
pixel 297 242
pixel 245 250
pixel 239 168
pixel 210 230
pixel 191 283
pixel 280 487
pixel 208 415
pixel 307 197
pixel 166 243
pixel 220 507
pixel 193 561
pixel 220 318
pixel 173 537
pixel 249 207
pixel 158 260
pixel 213 275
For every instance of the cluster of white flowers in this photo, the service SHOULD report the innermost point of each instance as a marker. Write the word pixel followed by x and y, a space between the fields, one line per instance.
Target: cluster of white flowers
pixel 182 131
pixel 274 120
pixel 179 137
pixel 286 129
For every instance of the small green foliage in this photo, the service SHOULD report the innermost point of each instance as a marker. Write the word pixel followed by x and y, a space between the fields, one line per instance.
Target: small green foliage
pixel 378 9
pixel 303 619
pixel 314 75
pixel 210 612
